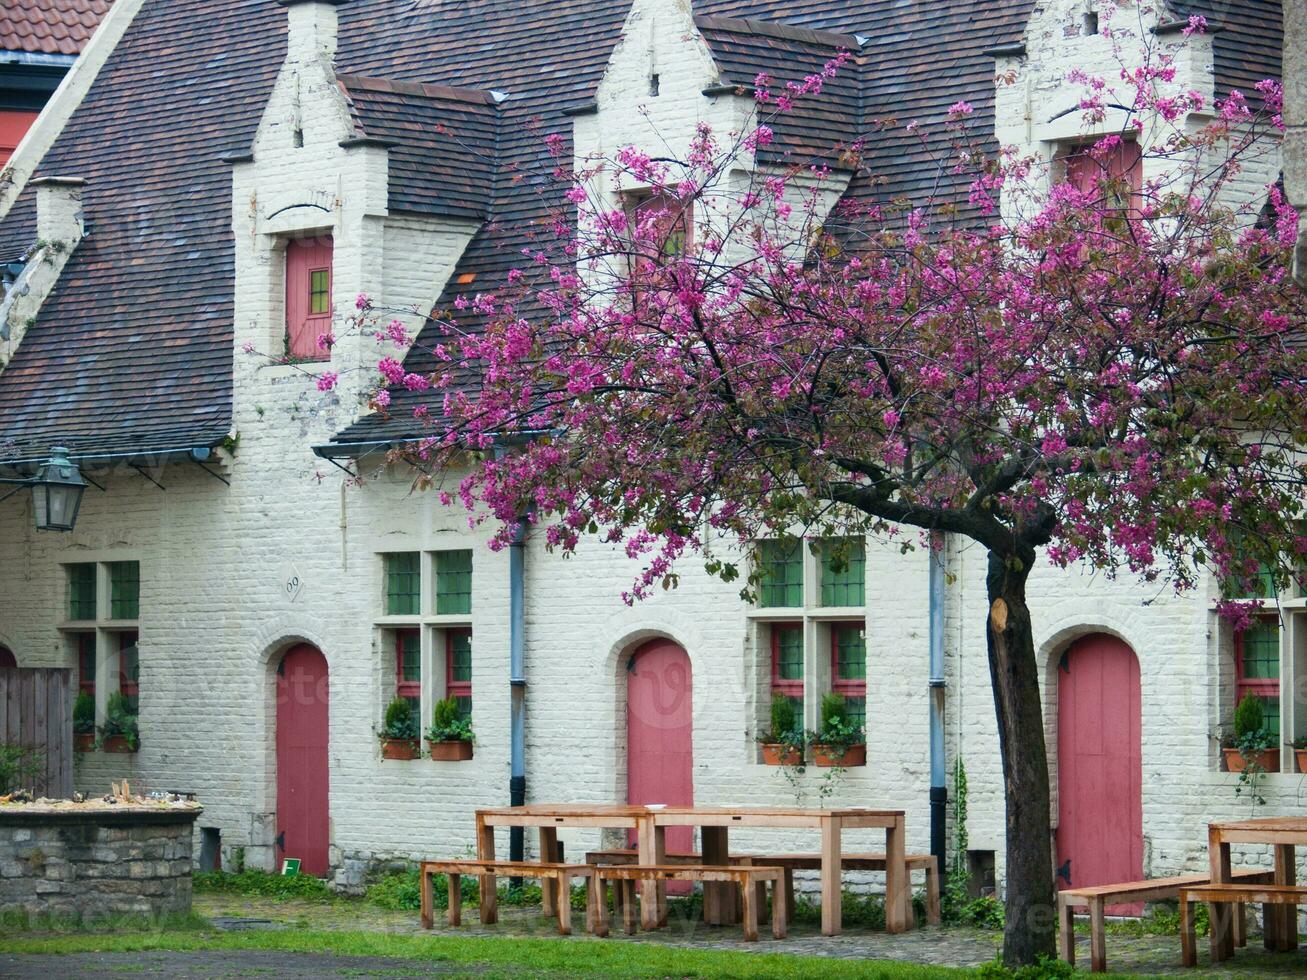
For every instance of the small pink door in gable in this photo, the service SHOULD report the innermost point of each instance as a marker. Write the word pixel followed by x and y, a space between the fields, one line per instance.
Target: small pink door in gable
pixel 660 733
pixel 303 776
pixel 1100 827
pixel 308 297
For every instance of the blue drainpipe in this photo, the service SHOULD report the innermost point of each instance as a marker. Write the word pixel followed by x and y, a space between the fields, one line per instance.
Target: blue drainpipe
pixel 938 764
pixel 517 681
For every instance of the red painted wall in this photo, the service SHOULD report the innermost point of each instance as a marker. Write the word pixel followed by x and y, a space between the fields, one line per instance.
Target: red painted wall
pixel 14 123
pixel 1100 774
pixel 660 732
pixel 303 779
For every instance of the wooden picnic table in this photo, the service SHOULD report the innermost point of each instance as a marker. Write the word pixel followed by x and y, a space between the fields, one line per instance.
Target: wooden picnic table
pixel 1282 833
pixel 650 825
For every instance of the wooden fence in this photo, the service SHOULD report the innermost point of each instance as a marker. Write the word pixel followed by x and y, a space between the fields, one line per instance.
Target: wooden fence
pixel 36 713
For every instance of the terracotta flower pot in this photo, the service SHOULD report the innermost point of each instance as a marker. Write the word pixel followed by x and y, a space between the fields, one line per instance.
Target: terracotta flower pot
pixel 780 754
pixel 458 751
pixel 399 748
pixel 824 755
pixel 84 742
pixel 118 743
pixel 1301 756
pixel 1268 759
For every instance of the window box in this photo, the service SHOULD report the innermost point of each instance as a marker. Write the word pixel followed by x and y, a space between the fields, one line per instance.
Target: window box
pixel 400 749
pixel 84 742
pixel 1268 759
pixel 121 744
pixel 452 751
pixel 829 757
pixel 781 754
pixel 1300 756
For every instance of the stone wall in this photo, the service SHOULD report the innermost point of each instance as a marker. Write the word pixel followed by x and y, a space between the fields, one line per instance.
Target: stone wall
pixel 88 864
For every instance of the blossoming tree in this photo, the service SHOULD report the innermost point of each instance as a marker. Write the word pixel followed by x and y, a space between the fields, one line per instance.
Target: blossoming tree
pixel 1097 372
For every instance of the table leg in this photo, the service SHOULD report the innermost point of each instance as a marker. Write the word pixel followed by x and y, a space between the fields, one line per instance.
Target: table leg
pixel 647 840
pixel 1066 935
pixel 718 897
pixel 898 892
pixel 1287 923
pixel 549 894
pixel 1222 938
pixel 427 901
pixel 489 897
pixel 831 872
pixel 1097 937
pixel 1188 938
pixel 454 909
pixel 563 892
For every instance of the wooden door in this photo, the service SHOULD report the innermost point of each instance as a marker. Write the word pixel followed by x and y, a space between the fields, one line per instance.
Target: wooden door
pixel 1100 830
pixel 7 658
pixel 660 733
pixel 303 780
pixel 308 297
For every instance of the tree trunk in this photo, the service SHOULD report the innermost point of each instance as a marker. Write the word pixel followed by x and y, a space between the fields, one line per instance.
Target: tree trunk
pixel 1031 910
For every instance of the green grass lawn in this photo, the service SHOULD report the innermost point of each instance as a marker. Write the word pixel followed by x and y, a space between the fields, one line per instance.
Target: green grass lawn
pixel 489 956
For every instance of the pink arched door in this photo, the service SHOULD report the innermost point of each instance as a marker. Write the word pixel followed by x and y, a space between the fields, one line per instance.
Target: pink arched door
pixel 303 781
pixel 660 732
pixel 1100 826
pixel 7 658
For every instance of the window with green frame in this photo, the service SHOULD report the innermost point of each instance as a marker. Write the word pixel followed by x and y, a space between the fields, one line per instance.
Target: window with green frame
pixel 408 668
pixel 780 567
pixel 458 669
pixel 1257 669
pixel 124 590
pixel 849 668
pixel 81 591
pixel 319 291
pixel 787 663
pixel 843 573
pixel 453 582
pixel 403 583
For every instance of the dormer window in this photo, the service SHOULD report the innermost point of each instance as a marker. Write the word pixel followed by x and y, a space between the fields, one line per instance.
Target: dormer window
pixel 308 298
pixel 665 224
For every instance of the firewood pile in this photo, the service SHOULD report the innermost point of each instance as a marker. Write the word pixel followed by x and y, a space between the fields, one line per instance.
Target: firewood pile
pixel 120 794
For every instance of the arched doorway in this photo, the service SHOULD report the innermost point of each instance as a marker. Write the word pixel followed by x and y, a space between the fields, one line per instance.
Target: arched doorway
pixel 7 658
pixel 1100 827
pixel 660 732
pixel 303 779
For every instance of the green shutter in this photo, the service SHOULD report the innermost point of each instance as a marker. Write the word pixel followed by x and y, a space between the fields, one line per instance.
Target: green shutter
pixel 125 590
pixel 453 582
pixel 843 574
pixel 403 584
pixel 81 591
pixel 780 564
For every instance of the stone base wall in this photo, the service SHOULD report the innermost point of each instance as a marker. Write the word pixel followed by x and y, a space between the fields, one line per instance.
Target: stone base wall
pixel 86 866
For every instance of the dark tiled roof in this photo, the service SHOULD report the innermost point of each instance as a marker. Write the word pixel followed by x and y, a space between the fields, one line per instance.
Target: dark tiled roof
pixel 1246 46
pixel 442 160
pixel 819 126
pixel 49 26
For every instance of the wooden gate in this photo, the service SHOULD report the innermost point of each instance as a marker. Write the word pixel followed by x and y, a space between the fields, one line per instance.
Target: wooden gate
pixel 36 713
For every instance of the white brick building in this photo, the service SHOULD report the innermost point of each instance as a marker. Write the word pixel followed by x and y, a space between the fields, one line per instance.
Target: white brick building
pixel 311 122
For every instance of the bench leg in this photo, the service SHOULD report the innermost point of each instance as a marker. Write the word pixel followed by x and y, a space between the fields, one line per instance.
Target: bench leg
pixel 780 921
pixel 1219 914
pixel 1286 874
pixel 424 883
pixel 1271 923
pixel 932 894
pixel 1066 933
pixel 1239 924
pixel 455 910
pixel 749 896
pixel 563 896
pixel 1188 939
pixel 548 855
pixel 789 894
pixel 1097 937
pixel 590 904
pixel 628 906
pixel 599 898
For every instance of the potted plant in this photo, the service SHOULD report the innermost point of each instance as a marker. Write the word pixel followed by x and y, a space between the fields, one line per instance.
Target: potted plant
pixel 782 743
pixel 450 735
pixel 399 737
pixel 120 732
pixel 1300 753
pixel 84 722
pixel 839 742
pixel 1252 744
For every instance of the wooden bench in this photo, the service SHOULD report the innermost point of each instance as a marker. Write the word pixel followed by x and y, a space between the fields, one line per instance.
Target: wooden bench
pixel 487 871
pixel 748 877
pixel 1237 894
pixel 801 862
pixel 1098 897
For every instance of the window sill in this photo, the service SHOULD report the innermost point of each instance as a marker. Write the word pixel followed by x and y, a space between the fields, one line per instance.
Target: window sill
pixel 430 619
pixel 85 625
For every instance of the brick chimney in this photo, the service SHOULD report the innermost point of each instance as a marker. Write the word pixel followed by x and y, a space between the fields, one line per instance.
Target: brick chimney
pixel 312 28
pixel 59 209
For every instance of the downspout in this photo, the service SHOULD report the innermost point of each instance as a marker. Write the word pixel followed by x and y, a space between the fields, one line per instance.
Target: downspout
pixel 938 764
pixel 517 681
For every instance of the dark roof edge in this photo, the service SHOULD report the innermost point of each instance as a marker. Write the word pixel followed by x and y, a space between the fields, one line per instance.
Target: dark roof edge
pixel 237 156
pixel 712 91
pixel 375 141
pixel 199 454
pixel 739 25
pixel 371 83
pixel 53 181
pixel 1006 50
pixel 583 109
pixel 1182 24
pixel 353 450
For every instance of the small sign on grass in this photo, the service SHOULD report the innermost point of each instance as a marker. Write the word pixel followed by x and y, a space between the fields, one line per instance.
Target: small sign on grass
pixel 290 867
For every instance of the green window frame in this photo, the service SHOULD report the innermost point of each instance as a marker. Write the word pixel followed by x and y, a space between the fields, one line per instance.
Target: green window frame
pixel 843 573
pixel 81 591
pixel 453 582
pixel 125 590
pixel 849 668
pixel 780 566
pixel 319 291
pixel 403 583
pixel 458 669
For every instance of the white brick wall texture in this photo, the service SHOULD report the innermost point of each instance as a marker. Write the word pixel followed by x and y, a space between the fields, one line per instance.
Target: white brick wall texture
pixel 215 613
